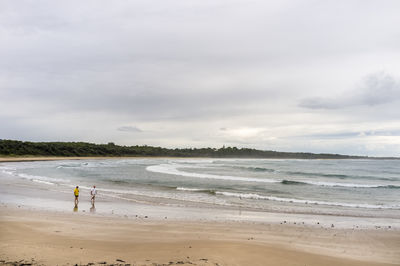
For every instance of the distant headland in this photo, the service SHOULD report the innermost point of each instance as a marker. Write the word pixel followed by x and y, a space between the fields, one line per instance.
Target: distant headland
pixel 15 148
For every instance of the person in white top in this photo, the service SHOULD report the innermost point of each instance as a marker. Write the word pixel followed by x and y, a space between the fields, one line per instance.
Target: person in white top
pixel 93 193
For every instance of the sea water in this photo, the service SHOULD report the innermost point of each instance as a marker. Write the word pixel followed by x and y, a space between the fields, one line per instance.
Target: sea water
pixel 369 188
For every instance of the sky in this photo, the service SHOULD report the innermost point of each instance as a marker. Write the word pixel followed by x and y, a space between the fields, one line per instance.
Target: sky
pixel 301 76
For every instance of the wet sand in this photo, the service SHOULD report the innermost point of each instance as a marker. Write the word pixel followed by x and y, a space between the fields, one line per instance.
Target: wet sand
pixel 60 238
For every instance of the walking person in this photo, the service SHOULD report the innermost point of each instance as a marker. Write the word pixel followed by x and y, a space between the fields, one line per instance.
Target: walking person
pixel 93 193
pixel 76 193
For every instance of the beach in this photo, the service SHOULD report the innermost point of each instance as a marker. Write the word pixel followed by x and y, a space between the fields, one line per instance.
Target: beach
pixel 54 238
pixel 138 220
pixel 56 158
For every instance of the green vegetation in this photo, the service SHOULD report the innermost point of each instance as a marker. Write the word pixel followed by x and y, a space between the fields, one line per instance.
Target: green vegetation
pixel 20 148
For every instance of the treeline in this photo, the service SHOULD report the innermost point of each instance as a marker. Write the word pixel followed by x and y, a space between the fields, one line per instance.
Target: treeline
pixel 24 148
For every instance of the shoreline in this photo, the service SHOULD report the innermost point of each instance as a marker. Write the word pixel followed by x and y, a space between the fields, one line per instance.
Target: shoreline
pixel 32 197
pixel 34 158
pixel 28 191
pixel 62 158
pixel 50 237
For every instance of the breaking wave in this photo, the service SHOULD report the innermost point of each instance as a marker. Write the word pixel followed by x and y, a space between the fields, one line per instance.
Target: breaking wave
pixel 173 169
pixel 316 202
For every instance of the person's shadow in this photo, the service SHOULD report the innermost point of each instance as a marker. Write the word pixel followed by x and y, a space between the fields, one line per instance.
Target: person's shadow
pixel 93 209
pixel 76 208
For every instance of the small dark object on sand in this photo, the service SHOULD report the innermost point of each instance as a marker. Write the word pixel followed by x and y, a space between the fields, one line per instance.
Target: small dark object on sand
pixel 119 260
pixel 102 262
pixel 332 226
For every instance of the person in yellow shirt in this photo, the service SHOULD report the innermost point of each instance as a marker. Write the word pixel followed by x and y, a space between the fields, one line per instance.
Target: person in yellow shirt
pixel 76 193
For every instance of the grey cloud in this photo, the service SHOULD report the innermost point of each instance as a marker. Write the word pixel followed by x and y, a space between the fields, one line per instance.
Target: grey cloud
pixel 322 103
pixel 141 98
pixel 353 134
pixel 379 88
pixel 375 89
pixel 129 129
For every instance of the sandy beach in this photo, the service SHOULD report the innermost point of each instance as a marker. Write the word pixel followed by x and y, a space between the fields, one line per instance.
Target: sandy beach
pixel 57 158
pixel 59 238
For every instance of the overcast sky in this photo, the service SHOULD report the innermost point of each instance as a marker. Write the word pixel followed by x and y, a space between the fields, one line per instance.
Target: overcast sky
pixel 310 76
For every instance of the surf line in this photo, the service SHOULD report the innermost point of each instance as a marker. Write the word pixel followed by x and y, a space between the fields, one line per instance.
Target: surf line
pixel 172 169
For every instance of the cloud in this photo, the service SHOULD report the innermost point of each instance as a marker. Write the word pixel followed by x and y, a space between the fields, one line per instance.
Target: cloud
pixel 379 88
pixel 198 73
pixel 375 89
pixel 129 129
pixel 322 103
pixel 356 134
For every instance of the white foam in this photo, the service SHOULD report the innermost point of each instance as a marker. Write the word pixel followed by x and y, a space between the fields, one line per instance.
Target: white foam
pixel 196 161
pixel 190 189
pixel 260 197
pixel 8 170
pixel 173 170
pixel 335 184
pixel 43 182
pixel 37 179
pixel 41 178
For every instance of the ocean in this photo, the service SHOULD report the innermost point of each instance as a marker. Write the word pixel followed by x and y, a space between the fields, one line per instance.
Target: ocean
pixel 369 188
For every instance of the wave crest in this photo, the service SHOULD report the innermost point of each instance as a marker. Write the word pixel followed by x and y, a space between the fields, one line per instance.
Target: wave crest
pixel 316 202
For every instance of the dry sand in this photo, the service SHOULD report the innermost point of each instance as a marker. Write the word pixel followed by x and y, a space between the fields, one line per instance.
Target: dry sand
pixel 55 158
pixel 56 238
pixel 59 158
